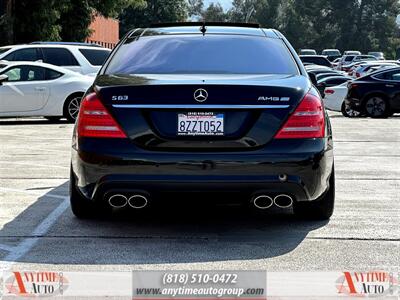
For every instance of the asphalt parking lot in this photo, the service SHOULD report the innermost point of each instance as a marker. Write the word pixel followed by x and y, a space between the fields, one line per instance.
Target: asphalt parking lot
pixel 38 230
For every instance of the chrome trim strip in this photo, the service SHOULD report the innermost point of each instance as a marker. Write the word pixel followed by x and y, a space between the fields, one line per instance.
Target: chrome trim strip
pixel 198 106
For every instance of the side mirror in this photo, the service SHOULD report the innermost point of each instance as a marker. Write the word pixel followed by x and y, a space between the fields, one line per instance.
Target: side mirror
pixel 313 78
pixel 3 78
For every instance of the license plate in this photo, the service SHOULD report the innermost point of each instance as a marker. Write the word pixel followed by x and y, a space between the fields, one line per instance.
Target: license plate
pixel 200 123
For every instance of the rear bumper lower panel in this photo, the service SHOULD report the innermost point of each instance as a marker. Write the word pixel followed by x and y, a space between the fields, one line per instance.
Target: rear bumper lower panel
pixel 97 169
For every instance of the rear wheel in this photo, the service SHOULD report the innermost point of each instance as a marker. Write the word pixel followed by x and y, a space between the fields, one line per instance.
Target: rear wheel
pixel 377 107
pixel 321 209
pixel 81 207
pixel 348 112
pixel 71 107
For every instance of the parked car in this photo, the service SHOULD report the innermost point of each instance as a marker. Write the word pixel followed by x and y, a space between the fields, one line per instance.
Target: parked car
pixel 322 71
pixel 307 52
pixel 331 81
pixel 195 118
pixel 332 54
pixel 78 57
pixel 325 75
pixel 334 100
pixel 335 63
pixel 377 94
pixel 368 67
pixel 378 55
pixel 39 89
pixel 352 52
pixel 316 59
pixel 349 63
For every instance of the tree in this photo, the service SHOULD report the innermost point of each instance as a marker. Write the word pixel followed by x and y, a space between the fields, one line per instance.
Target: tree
pixel 153 11
pixel 195 8
pixel 214 13
pixel 54 20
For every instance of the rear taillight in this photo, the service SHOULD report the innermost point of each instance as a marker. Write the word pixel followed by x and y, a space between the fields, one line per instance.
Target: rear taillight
pixel 329 91
pixel 95 121
pixel 307 121
pixel 358 75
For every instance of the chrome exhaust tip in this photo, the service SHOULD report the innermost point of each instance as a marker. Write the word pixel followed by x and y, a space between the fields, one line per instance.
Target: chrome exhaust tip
pixel 283 201
pixel 118 201
pixel 263 202
pixel 138 201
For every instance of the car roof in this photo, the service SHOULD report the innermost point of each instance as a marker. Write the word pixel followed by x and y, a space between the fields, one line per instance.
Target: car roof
pixel 44 45
pixel 210 28
pixel 38 64
pixel 315 55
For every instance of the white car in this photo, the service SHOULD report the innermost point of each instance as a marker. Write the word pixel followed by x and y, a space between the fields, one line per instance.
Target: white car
pixel 334 100
pixel 79 57
pixel 38 89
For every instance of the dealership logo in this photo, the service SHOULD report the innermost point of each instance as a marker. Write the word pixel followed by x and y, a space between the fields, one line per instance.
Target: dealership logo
pixel 35 284
pixel 366 284
pixel 200 95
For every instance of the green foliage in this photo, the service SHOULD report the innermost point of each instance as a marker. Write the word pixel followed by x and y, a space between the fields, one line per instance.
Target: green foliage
pixel 54 20
pixel 152 12
pixel 214 13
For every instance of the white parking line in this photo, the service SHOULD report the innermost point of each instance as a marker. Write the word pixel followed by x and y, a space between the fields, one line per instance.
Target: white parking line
pixel 27 244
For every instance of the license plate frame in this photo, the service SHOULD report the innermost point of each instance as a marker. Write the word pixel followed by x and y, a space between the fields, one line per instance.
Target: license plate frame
pixel 200 124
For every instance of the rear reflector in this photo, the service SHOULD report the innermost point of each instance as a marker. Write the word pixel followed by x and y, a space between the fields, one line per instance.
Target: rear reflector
pixel 307 121
pixel 95 121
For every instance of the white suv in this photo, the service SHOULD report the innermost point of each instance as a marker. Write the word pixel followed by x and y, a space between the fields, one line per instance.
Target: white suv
pixel 78 57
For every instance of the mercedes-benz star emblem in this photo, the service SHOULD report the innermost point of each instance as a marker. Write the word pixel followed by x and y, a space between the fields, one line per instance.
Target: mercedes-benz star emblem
pixel 200 95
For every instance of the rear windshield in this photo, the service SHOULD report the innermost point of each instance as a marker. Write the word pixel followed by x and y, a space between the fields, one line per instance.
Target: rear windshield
pixel 95 57
pixel 197 54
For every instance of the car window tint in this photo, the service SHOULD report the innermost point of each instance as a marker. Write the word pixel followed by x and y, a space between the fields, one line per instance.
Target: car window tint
pixel 28 54
pixel 59 57
pixel 198 54
pixel 52 74
pixel 95 57
pixel 25 73
pixel 396 76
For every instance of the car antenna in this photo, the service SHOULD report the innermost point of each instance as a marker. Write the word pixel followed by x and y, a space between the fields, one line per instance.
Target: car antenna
pixel 203 28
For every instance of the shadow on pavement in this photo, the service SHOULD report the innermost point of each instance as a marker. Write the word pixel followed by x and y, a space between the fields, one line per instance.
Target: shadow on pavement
pixel 171 234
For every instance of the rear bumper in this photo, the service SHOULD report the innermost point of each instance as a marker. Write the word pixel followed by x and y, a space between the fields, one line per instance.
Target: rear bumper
pixel 242 173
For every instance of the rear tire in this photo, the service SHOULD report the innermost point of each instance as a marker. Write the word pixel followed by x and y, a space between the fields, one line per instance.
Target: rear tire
pixel 348 112
pixel 71 107
pixel 81 207
pixel 321 209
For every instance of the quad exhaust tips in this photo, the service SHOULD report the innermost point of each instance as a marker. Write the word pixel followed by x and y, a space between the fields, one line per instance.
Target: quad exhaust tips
pixel 265 202
pixel 135 201
pixel 118 201
pixel 283 201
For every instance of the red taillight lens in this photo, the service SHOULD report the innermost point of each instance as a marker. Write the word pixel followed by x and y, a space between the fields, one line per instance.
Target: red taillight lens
pixel 329 91
pixel 95 121
pixel 307 121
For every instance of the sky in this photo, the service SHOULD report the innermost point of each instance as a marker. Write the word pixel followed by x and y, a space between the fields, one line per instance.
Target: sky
pixel 226 4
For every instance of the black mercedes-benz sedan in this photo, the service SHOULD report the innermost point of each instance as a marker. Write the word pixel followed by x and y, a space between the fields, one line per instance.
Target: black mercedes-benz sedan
pixel 377 95
pixel 202 110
